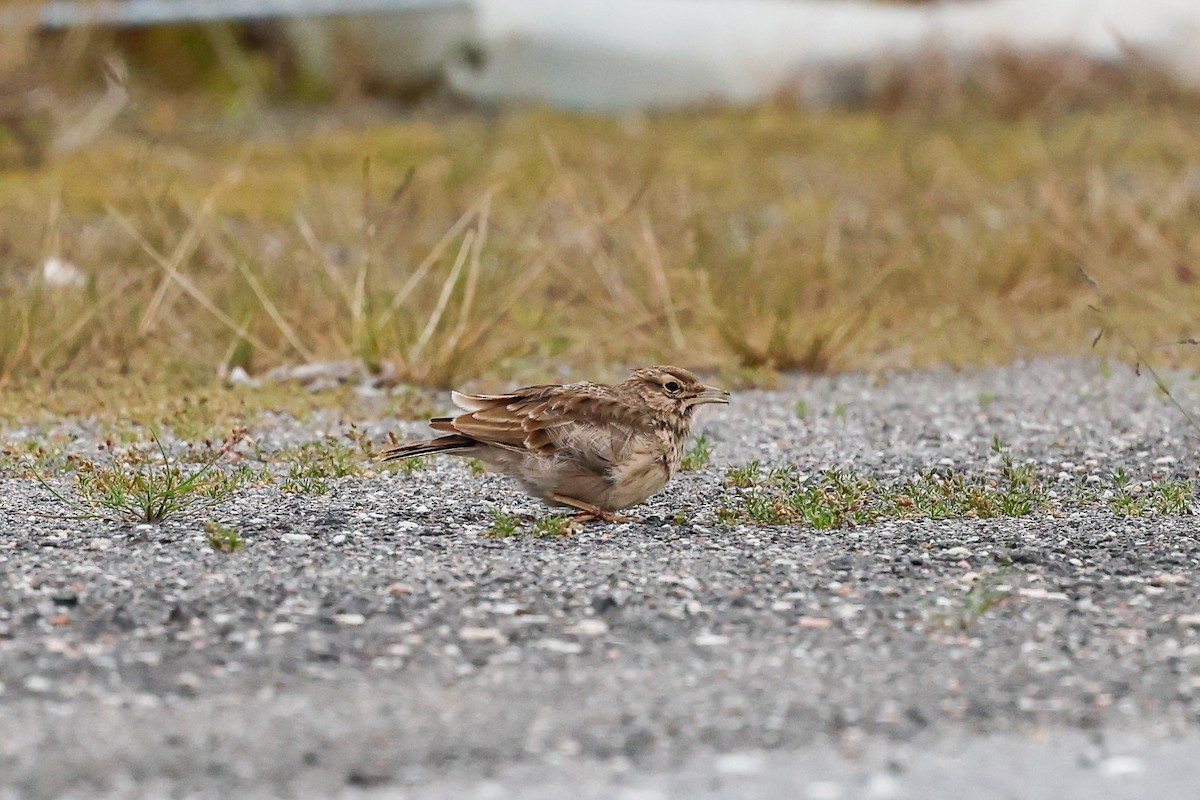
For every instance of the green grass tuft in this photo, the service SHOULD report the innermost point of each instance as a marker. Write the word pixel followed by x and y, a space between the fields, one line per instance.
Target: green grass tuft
pixel 326 458
pixel 503 525
pixel 838 498
pixel 149 485
pixel 221 538
pixel 299 481
pixel 1172 497
pixel 745 475
pixel 506 525
pixel 415 464
pixel 553 525
pixel 698 455
pixel 987 592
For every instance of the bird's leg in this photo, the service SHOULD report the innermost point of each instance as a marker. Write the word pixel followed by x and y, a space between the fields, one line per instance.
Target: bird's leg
pixel 591 512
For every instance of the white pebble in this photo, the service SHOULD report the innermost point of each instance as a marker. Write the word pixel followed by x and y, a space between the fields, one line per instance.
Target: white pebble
pixel 62 274
pixel 711 640
pixel 588 627
pixel 882 786
pixel 37 683
pixel 473 634
pixel 1122 766
pixel 823 790
pixel 740 763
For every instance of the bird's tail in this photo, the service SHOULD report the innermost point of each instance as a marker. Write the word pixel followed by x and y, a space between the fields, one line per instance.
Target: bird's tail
pixel 442 444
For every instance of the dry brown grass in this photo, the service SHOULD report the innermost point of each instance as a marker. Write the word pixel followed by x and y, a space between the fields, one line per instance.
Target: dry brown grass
pixel 518 246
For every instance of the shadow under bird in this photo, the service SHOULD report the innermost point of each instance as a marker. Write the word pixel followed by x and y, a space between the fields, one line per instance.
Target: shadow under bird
pixel 589 446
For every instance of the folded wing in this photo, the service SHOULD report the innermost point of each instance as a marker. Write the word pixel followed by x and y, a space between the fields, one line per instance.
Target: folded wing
pixel 547 420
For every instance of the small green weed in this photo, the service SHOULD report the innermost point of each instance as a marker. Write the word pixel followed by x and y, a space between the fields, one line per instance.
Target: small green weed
pixel 506 525
pixel 1023 492
pixel 148 485
pixel 1162 498
pixel 985 593
pixel 325 458
pixel 698 455
pixel 361 440
pixel 1120 478
pixel 801 408
pixel 410 465
pixel 301 480
pixel 838 498
pixel 552 525
pixel 476 466
pixel 221 538
pixel 190 418
pixel 503 524
pixel 34 456
pixel 745 475
pixel 312 465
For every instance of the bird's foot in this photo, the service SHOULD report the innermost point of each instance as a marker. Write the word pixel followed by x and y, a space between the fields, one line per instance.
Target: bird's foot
pixel 588 516
pixel 589 512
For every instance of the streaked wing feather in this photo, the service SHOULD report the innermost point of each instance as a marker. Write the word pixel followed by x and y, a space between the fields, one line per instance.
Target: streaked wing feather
pixel 469 402
pixel 478 402
pixel 547 420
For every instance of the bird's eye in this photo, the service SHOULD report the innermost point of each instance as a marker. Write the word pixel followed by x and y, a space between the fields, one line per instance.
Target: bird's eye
pixel 671 386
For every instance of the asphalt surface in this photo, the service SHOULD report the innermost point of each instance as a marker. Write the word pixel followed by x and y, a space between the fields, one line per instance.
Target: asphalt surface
pixel 373 642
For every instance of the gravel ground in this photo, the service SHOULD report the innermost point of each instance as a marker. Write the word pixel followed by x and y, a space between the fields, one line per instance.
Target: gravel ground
pixel 371 642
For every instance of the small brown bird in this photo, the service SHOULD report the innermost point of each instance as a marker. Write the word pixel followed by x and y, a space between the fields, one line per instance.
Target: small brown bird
pixel 589 446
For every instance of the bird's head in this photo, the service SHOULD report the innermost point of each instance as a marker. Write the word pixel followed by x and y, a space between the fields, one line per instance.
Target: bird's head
pixel 673 391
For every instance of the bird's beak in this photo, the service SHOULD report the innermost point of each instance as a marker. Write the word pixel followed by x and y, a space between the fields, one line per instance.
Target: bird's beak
pixel 712 394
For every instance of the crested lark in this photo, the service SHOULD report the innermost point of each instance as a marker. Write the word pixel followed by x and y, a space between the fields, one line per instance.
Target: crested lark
pixel 592 447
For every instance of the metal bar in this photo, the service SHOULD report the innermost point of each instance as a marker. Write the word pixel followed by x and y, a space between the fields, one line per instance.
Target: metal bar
pixel 141 13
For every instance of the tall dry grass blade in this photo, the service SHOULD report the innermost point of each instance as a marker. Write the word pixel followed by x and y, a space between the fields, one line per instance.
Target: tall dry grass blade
pixel 1148 232
pixel 435 254
pixel 185 282
pixel 358 306
pixel 314 244
pixel 85 318
pixel 52 239
pixel 1105 314
pixel 443 299
pixel 636 197
pixel 8 364
pixel 273 312
pixel 464 312
pixel 660 279
pixel 227 357
pixel 51 246
pixel 100 116
pixel 367 230
pixel 183 250
pixel 608 272
pixel 523 284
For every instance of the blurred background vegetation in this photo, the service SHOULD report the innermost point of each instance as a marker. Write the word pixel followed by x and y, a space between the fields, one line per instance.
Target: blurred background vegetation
pixel 180 202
